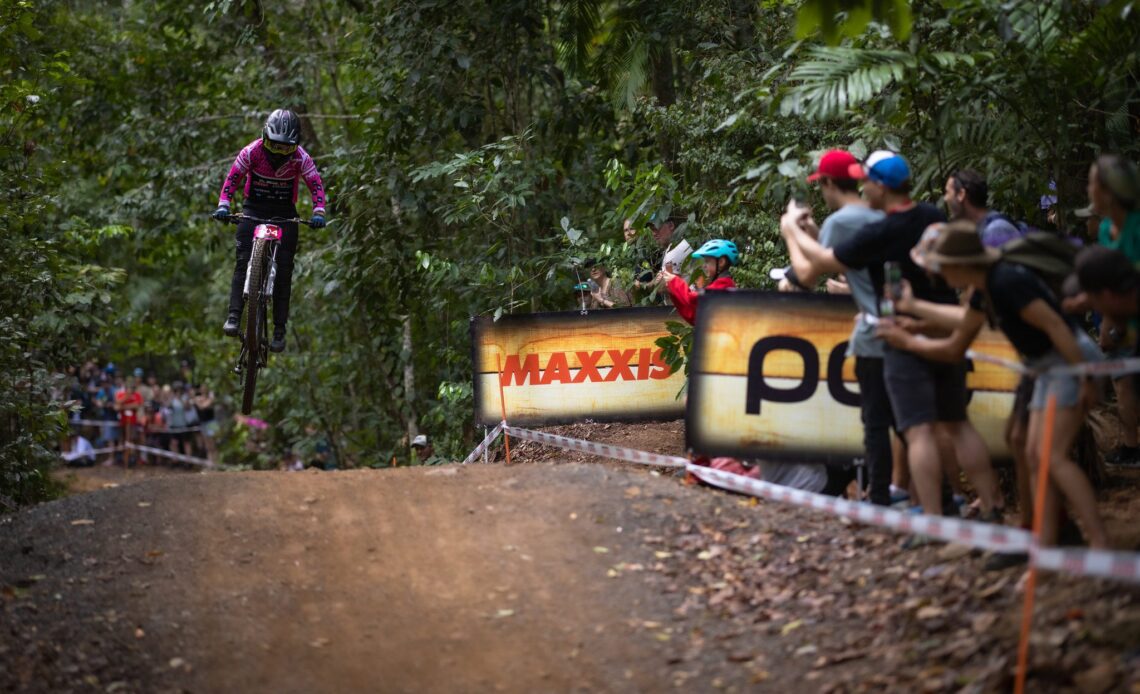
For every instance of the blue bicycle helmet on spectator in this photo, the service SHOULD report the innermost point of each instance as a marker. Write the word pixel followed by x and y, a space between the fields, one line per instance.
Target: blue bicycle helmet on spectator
pixel 719 248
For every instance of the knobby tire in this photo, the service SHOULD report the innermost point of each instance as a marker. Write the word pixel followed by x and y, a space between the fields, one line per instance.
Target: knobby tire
pixel 254 321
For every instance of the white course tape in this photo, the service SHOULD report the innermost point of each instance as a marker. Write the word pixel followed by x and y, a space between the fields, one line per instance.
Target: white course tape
pixel 602 449
pixel 75 455
pixel 112 423
pixel 1006 363
pixel 996 538
pixel 490 438
pixel 169 454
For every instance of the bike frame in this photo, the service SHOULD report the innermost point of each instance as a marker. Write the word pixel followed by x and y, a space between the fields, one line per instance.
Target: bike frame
pixel 254 357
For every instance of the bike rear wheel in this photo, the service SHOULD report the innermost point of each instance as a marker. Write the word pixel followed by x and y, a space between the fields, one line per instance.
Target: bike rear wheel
pixel 254 321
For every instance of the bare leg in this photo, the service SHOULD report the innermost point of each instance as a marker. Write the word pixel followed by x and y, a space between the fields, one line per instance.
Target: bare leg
pixel 900 473
pixel 946 449
pixel 974 458
pixel 1015 439
pixel 925 466
pixel 1064 474
pixel 1126 408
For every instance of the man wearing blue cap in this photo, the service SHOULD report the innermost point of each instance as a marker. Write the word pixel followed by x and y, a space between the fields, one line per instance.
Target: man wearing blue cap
pixel 925 396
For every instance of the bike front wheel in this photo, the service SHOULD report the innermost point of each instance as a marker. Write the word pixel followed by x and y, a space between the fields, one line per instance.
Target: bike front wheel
pixel 255 321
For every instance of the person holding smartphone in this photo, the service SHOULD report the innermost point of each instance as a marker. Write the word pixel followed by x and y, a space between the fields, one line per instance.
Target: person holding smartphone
pixel 838 176
pixel 928 398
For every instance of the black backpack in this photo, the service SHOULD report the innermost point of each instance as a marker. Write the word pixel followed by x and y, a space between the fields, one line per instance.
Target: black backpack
pixel 1050 256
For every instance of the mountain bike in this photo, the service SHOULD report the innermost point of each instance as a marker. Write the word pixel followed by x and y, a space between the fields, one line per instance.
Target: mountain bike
pixel 259 277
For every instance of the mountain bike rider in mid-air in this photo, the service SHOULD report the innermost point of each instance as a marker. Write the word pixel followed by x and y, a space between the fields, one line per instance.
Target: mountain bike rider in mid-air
pixel 270 168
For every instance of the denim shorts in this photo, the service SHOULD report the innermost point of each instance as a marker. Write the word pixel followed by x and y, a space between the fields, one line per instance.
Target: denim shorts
pixel 1066 388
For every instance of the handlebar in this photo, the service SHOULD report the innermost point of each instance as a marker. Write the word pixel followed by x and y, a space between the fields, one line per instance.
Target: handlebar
pixel 242 217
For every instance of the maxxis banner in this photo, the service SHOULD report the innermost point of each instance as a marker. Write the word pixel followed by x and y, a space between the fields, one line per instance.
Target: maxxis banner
pixel 558 368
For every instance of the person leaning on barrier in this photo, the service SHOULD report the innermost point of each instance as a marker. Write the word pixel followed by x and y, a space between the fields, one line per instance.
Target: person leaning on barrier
pixel 1110 284
pixel 1018 302
pixel 838 177
pixel 928 399
pixel 1114 193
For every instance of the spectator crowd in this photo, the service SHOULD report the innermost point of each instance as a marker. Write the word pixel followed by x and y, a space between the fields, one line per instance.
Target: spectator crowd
pixel 926 278
pixel 112 409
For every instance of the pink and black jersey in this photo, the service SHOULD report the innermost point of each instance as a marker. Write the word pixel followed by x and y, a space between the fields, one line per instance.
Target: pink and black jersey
pixel 268 190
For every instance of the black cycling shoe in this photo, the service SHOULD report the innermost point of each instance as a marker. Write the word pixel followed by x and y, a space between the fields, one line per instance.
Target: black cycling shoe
pixel 278 343
pixel 232 327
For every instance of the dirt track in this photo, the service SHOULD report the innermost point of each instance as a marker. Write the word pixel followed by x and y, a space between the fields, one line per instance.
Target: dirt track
pixel 529 578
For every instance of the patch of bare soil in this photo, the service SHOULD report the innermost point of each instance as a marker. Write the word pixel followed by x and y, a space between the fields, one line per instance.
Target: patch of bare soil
pixel 532 577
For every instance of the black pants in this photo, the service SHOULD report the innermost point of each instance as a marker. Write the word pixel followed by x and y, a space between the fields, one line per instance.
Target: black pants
pixel 283 283
pixel 877 422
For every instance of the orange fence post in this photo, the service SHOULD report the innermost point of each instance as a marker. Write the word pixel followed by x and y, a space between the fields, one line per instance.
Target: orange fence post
pixel 503 405
pixel 1038 519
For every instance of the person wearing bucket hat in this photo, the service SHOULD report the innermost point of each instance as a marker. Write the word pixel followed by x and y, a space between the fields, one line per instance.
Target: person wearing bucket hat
pixel 928 398
pixel 1027 312
pixel 838 176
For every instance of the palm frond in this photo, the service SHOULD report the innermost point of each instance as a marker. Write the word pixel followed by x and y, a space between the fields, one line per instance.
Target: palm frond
pixel 579 22
pixel 832 80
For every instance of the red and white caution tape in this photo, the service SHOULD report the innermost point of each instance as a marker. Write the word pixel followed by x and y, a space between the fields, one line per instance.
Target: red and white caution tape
pixel 170 454
pixel 602 449
pixel 1111 367
pixel 996 538
pixel 986 536
pixel 1089 562
pixel 487 441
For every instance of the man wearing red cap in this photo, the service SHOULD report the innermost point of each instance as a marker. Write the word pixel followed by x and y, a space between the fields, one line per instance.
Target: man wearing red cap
pixel 927 398
pixel 838 177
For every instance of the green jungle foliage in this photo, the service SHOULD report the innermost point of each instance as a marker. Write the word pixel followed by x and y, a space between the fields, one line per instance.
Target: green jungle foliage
pixel 475 155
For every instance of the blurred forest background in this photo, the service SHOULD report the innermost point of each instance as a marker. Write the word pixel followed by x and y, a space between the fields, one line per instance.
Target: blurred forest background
pixel 475 154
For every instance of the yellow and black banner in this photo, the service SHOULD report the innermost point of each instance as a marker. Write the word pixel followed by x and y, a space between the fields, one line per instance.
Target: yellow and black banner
pixel 769 379
pixel 557 368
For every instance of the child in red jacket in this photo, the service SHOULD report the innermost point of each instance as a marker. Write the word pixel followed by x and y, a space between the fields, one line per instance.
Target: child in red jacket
pixel 719 255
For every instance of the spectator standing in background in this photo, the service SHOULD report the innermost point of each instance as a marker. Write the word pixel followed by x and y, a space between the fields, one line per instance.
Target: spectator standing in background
pixel 1091 220
pixel 967 197
pixel 927 398
pixel 128 402
pixel 1111 286
pixel 838 177
pixel 425 451
pixel 1029 314
pixel 604 292
pixel 104 401
pixel 207 420
pixel 1114 193
pixel 719 255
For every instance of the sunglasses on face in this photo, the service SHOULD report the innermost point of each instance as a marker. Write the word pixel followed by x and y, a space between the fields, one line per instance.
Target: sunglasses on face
pixel 278 147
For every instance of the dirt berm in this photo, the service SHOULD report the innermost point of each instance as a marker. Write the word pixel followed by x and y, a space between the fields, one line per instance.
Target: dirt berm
pixel 528 578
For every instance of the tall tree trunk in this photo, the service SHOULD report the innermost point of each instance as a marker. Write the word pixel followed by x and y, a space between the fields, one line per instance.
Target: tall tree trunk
pixel 409 379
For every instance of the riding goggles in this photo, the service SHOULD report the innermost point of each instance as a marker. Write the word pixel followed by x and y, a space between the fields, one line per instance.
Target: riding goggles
pixel 278 147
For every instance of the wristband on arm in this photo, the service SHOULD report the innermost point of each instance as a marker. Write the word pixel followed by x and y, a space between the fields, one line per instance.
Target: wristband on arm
pixel 790 276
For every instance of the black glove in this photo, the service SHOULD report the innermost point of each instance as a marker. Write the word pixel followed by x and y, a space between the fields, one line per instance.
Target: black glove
pixel 222 213
pixel 318 221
